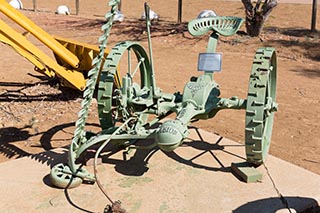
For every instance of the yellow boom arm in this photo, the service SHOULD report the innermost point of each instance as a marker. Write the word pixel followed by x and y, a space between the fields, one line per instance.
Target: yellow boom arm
pixel 73 59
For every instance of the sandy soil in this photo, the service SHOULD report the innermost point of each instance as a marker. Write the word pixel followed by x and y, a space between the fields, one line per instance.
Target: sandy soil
pixel 36 116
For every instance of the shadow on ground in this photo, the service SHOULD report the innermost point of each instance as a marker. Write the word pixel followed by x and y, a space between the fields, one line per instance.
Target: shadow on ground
pixel 134 29
pixel 136 164
pixel 275 204
pixel 310 73
pixel 11 135
pixel 20 92
pixel 292 37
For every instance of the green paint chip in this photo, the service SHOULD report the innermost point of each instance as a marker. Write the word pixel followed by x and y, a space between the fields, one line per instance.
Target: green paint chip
pixel 128 182
pixel 164 206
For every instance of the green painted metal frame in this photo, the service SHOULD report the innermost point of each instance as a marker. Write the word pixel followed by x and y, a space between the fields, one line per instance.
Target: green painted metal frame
pixel 124 109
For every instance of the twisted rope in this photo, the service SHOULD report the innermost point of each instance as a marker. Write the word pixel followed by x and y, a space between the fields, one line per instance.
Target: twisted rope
pixel 79 132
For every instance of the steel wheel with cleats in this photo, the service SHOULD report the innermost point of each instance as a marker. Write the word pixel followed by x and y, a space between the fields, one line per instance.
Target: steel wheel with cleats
pixel 117 104
pixel 261 105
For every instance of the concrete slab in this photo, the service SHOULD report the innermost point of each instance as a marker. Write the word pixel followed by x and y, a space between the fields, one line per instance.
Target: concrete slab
pixel 195 178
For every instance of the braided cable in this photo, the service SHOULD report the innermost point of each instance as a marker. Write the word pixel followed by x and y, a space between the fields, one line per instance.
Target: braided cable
pixel 79 132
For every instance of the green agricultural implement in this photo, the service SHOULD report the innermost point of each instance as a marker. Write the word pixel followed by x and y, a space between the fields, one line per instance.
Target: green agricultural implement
pixel 129 113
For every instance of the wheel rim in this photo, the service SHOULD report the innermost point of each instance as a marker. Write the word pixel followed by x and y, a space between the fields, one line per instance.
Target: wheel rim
pixel 111 109
pixel 261 105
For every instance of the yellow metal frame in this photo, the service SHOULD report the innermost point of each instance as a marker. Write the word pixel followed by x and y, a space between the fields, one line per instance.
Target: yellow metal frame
pixel 39 33
pixel 42 61
pixel 72 59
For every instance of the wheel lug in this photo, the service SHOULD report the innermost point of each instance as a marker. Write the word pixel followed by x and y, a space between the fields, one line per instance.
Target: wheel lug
pixel 274 107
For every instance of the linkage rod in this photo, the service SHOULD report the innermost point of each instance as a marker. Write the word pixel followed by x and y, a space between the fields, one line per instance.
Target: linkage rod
pixel 148 24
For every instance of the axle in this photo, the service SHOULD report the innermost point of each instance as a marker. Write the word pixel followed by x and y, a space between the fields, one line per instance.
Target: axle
pixel 200 101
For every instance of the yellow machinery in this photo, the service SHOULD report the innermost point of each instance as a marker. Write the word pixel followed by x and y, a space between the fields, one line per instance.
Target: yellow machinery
pixel 73 59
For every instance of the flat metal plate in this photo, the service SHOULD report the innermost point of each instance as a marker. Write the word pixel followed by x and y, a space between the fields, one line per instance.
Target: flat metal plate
pixel 209 62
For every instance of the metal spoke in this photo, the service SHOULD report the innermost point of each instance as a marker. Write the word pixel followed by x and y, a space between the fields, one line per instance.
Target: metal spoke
pixel 129 61
pixel 137 67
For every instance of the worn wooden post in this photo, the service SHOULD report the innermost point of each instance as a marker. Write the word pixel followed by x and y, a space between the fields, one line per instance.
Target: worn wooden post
pixel 314 16
pixel 77 7
pixel 179 11
pixel 34 5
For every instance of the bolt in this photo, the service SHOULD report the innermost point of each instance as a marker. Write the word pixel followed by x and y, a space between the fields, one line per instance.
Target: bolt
pixel 274 107
pixel 234 98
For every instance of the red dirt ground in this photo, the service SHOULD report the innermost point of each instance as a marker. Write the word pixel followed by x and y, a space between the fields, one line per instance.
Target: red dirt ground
pixel 34 115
